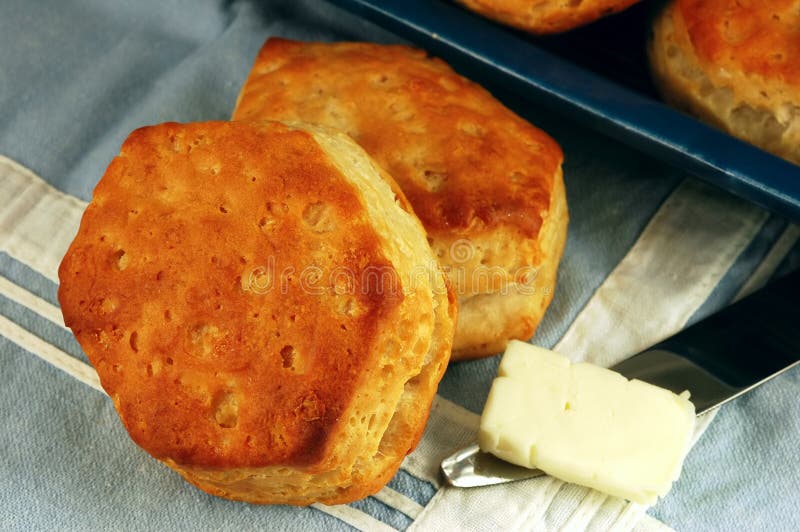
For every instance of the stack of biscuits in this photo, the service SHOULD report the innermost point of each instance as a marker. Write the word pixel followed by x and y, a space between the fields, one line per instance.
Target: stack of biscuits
pixel 271 302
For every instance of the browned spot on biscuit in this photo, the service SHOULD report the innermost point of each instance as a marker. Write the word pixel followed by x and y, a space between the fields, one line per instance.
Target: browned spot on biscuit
pixel 121 259
pixel 226 409
pixel 310 407
pixel 288 355
pixel 548 16
pixel 318 217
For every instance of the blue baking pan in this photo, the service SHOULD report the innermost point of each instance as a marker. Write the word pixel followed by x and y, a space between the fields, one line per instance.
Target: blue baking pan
pixel 598 77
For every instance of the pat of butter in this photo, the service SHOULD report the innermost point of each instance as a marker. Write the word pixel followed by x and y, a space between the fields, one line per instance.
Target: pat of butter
pixel 586 424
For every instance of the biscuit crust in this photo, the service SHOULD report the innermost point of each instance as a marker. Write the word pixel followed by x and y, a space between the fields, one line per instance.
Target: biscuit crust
pixel 245 293
pixel 735 65
pixel 543 17
pixel 488 319
pixel 758 38
pixel 480 178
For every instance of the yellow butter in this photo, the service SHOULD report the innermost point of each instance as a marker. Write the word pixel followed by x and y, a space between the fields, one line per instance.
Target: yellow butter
pixel 586 424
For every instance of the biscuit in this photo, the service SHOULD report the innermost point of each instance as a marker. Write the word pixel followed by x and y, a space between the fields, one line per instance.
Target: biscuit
pixel 262 307
pixel 735 65
pixel 485 183
pixel 543 17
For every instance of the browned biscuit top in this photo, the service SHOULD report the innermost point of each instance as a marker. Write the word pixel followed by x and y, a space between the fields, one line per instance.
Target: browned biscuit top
pixel 466 163
pixel 752 36
pixel 547 16
pixel 197 241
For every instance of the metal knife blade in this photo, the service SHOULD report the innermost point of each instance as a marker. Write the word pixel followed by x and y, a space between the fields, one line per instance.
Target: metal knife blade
pixel 717 360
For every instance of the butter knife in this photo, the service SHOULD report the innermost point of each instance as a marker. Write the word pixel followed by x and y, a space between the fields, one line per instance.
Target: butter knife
pixel 717 360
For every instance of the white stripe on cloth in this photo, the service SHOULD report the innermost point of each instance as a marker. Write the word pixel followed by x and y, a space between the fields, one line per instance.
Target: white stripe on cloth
pixel 50 353
pixel 35 303
pixel 589 506
pixel 771 261
pixel 682 254
pixel 680 257
pixel 354 518
pixel 398 501
pixel 38 222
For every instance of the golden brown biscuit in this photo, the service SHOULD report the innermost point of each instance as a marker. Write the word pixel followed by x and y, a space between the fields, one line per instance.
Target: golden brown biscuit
pixel 262 307
pixel 546 16
pixel 735 65
pixel 485 183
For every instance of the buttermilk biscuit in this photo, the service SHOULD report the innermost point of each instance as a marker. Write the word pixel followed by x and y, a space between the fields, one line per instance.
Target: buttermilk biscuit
pixel 485 183
pixel 735 65
pixel 546 16
pixel 262 308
